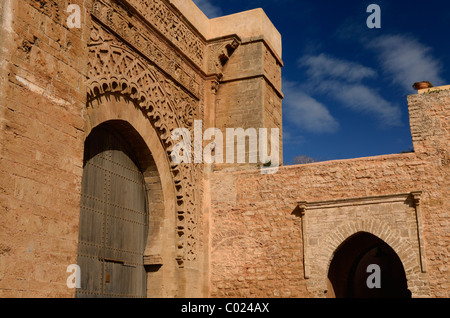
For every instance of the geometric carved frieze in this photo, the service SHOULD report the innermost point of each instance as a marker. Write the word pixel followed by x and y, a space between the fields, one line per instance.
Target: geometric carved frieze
pixel 113 67
pixel 163 18
pixel 138 35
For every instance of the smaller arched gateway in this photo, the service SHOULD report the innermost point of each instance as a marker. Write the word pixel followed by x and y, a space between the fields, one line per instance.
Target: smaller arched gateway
pixel 341 238
pixel 352 273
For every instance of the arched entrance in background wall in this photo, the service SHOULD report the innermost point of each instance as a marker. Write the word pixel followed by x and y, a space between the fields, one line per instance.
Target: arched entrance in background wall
pixel 347 275
pixel 114 216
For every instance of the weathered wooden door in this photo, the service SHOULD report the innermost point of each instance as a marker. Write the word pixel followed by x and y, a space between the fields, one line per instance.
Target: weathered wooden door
pixel 113 220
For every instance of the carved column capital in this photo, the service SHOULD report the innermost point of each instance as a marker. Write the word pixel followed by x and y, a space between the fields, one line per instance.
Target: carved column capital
pixel 302 206
pixel 215 86
pixel 416 197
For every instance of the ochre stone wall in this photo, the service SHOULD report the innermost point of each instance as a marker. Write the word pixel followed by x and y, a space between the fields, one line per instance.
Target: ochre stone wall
pixel 214 233
pixel 41 154
pixel 430 127
pixel 257 240
pixel 249 95
pixel 157 64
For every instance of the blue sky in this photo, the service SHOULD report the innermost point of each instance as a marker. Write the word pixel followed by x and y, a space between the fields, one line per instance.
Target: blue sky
pixel 345 84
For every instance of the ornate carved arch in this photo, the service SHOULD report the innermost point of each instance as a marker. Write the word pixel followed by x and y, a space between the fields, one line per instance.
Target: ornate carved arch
pixel 115 69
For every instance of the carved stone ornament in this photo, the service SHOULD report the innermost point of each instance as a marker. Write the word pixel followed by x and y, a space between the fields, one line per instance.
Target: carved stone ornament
pixel 137 34
pixel 219 52
pixel 114 68
pixel 171 26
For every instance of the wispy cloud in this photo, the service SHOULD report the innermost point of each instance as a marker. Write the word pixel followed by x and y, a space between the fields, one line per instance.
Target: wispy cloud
pixel 364 99
pixel 210 10
pixel 342 80
pixel 406 60
pixel 325 66
pixel 306 112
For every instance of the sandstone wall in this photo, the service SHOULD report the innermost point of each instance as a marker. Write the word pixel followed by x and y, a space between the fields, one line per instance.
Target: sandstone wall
pixel 249 240
pixel 430 128
pixel 257 240
pixel 42 98
pixel 157 60
pixel 249 95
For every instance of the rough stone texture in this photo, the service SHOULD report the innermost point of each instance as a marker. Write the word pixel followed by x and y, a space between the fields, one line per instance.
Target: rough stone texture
pixel 249 95
pixel 212 232
pixel 42 95
pixel 392 218
pixel 154 64
pixel 257 237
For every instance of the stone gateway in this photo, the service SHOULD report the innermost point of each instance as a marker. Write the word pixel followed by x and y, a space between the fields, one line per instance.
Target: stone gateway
pixel 87 112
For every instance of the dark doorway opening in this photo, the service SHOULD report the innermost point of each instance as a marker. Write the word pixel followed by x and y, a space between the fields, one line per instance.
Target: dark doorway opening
pixel 349 270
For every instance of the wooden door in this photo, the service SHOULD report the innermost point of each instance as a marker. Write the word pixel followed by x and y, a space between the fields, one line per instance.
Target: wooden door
pixel 113 219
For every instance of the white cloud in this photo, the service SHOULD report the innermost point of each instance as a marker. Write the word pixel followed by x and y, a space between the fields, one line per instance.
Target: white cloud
pixel 324 66
pixel 406 60
pixel 342 81
pixel 306 112
pixel 364 99
pixel 210 10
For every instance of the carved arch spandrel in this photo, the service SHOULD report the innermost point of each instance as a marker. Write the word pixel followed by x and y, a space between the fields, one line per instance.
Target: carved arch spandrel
pixel 114 69
pixel 131 23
